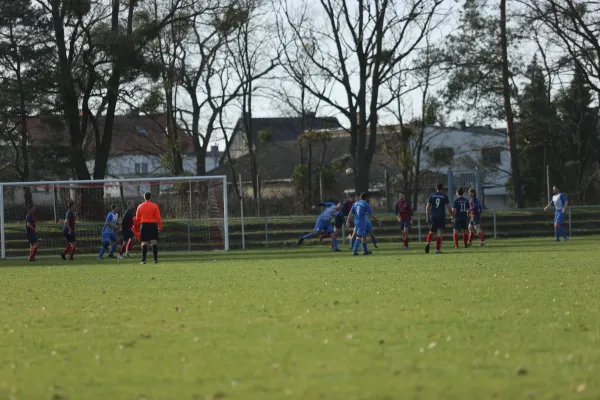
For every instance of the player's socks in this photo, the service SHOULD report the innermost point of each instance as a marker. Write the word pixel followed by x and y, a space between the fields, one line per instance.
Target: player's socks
pixel 334 243
pixel 406 242
pixel 471 236
pixel 438 243
pixel 112 250
pixel 155 252
pixel 32 253
pixel 72 252
pixel 67 249
pixel 102 251
pixel 455 237
pixel 144 252
pixel 557 234
pixel 356 246
pixel 123 248
pixel 307 236
pixel 365 249
pixel 429 237
pixel 129 246
pixel 352 243
pixel 374 241
pixel 481 237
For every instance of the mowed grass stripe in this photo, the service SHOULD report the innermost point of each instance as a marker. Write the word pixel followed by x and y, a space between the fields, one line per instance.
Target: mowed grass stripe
pixel 515 319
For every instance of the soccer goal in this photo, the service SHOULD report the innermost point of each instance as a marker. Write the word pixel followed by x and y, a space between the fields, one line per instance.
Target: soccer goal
pixel 193 209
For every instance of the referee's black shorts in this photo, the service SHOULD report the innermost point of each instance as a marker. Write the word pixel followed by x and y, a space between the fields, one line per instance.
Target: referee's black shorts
pixel 148 232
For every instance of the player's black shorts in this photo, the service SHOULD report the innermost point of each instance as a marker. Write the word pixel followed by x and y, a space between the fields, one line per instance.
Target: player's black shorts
pixel 128 234
pixel 459 224
pixel 436 223
pixel 69 236
pixel 32 238
pixel 339 221
pixel 148 232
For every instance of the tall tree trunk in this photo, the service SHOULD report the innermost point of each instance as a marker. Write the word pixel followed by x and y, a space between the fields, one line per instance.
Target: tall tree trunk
pixel 515 171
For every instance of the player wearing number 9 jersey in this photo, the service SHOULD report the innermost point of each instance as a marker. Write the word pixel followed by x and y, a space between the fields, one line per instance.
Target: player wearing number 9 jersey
pixel 460 222
pixel 435 213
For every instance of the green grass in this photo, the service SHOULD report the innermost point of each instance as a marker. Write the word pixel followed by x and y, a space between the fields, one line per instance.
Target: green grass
pixel 516 319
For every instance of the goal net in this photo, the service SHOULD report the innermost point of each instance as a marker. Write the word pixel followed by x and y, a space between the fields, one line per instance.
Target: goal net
pixel 193 209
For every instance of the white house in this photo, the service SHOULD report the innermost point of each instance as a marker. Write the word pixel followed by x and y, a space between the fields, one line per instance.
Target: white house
pixel 463 148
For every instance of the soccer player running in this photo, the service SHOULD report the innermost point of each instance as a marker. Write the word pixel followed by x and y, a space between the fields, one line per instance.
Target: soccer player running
pixel 323 224
pixel 361 212
pixel 69 231
pixel 460 212
pixel 150 221
pixel 560 203
pixel 108 233
pixel 127 229
pixel 404 213
pixel 31 233
pixel 435 214
pixel 475 223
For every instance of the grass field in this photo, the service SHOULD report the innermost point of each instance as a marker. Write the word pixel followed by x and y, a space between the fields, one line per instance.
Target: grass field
pixel 513 320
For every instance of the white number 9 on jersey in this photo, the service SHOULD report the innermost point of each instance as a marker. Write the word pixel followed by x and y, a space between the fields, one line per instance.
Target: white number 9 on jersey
pixel 437 203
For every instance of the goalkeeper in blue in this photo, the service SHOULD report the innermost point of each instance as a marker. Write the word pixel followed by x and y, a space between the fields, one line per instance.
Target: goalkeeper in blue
pixel 361 214
pixel 109 234
pixel 323 224
pixel 560 202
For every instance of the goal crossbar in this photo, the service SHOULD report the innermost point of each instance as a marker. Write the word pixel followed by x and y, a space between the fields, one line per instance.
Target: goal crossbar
pixel 92 182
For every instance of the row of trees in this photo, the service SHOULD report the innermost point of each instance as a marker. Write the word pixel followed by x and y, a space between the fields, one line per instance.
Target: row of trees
pixel 534 64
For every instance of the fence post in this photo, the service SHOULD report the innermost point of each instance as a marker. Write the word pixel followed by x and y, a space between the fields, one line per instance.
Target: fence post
pixel 191 209
pixel 266 232
pixel 419 225
pixel 450 182
pixel 478 186
pixel 2 235
pixel 242 212
pixel 495 229
pixel 570 227
pixel 189 232
pixel 258 196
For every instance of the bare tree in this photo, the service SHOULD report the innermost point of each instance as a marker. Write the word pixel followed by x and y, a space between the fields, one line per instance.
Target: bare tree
pixel 357 45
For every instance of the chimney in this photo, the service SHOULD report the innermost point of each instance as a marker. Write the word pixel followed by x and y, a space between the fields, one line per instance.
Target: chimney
pixel 462 125
pixel 134 112
pixel 214 151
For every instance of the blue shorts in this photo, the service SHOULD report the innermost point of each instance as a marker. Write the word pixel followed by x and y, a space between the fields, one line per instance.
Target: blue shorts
pixel 559 218
pixel 109 237
pixel 459 224
pixel 475 220
pixel 436 223
pixel 69 236
pixel 369 227
pixel 360 228
pixel 32 238
pixel 323 226
pixel 405 223
pixel 128 234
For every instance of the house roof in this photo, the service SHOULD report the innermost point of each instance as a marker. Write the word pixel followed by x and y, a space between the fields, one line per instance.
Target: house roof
pixel 287 128
pixel 131 134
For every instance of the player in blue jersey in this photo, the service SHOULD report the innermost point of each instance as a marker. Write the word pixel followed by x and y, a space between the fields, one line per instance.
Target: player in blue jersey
pixel 560 203
pixel 435 214
pixel 323 224
pixel 460 220
pixel 475 224
pixel 360 214
pixel 369 232
pixel 109 233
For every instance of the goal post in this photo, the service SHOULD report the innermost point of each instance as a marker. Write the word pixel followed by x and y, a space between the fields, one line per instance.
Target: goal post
pixel 194 210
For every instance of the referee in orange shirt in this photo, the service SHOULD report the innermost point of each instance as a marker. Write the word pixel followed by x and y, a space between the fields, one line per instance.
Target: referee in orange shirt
pixel 150 222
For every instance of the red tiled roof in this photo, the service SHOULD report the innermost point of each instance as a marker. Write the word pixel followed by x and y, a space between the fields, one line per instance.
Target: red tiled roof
pixel 131 134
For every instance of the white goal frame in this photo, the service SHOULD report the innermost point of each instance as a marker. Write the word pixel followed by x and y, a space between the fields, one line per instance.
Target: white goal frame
pixel 190 179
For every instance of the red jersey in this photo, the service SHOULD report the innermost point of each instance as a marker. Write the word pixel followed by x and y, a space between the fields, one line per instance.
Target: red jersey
pixel 403 210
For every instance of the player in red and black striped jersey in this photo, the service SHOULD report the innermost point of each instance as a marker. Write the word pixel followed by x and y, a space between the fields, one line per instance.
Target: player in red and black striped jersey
pixel 404 213
pixel 69 232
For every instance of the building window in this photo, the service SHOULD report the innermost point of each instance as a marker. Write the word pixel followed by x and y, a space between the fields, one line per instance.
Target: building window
pixel 441 157
pixel 141 168
pixel 491 155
